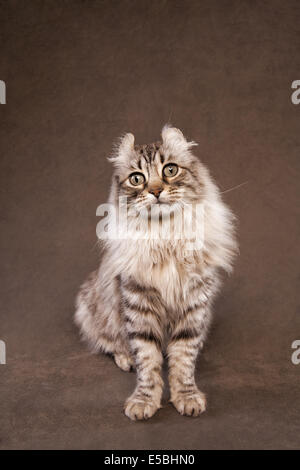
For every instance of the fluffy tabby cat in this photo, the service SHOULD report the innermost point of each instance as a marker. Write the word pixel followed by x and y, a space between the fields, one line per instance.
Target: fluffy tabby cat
pixel 152 296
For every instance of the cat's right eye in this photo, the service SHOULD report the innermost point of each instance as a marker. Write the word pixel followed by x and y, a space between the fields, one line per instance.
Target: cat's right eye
pixel 136 179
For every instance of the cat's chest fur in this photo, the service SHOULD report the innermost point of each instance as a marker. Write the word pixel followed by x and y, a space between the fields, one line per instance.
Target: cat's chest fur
pixel 164 266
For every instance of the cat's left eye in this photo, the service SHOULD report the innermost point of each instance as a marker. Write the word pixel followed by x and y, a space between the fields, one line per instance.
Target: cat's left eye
pixel 170 170
pixel 136 179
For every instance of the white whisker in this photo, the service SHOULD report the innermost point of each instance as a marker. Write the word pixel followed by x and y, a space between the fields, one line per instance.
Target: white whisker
pixel 234 187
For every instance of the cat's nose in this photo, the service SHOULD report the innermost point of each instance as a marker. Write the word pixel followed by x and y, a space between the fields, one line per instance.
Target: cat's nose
pixel 156 192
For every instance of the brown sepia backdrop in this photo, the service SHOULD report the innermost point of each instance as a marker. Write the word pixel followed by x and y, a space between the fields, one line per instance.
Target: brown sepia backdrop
pixel 78 74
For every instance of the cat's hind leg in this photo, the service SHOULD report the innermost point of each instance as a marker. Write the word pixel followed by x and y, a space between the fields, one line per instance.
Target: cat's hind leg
pixel 100 323
pixel 125 361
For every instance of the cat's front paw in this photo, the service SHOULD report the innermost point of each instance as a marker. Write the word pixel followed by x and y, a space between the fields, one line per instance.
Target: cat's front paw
pixel 190 404
pixel 137 408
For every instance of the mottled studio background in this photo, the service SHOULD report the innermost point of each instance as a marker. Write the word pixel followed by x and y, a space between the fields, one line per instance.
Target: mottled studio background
pixel 78 74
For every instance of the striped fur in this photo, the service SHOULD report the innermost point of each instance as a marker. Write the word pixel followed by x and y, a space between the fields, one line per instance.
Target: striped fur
pixel 152 296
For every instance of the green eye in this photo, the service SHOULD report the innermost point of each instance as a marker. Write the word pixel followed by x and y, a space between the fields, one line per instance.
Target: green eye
pixel 136 179
pixel 170 170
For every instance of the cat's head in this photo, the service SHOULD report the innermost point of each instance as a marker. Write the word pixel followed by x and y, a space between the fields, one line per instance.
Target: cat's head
pixel 164 173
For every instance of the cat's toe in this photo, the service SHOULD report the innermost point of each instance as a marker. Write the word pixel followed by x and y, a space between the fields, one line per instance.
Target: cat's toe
pixel 137 409
pixel 124 361
pixel 190 404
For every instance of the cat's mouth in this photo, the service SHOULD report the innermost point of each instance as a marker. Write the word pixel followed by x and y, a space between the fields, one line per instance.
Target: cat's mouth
pixel 159 203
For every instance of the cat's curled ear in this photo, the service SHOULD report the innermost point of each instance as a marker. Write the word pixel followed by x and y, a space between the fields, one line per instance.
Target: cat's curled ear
pixel 123 150
pixel 126 144
pixel 174 139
